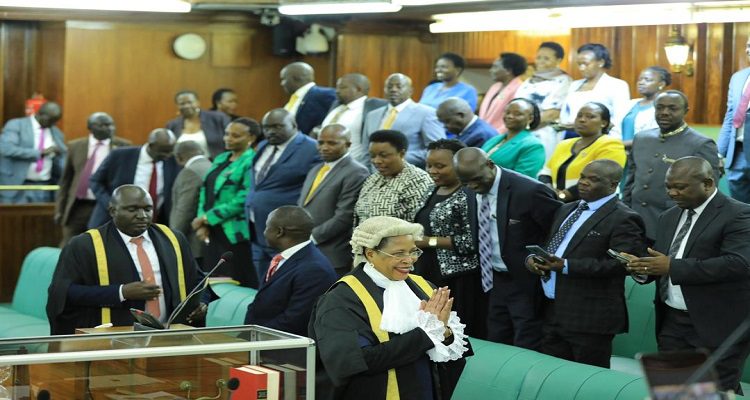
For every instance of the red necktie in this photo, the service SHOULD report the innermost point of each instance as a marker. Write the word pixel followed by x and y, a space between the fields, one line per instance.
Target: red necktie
pixel 152 306
pixel 741 110
pixel 275 261
pixel 83 184
pixel 152 189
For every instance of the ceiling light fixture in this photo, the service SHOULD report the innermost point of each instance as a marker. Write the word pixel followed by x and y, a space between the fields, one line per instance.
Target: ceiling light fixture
pixel 336 7
pixel 594 16
pixel 175 6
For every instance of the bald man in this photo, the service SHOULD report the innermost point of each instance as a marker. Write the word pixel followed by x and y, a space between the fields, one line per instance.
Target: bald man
pixel 75 200
pixel 350 108
pixel 143 270
pixel 151 166
pixel 32 152
pixel 417 121
pixel 308 103
pixel 461 123
pixel 700 262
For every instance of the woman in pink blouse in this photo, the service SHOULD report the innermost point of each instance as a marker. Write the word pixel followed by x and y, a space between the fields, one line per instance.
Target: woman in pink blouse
pixel 506 71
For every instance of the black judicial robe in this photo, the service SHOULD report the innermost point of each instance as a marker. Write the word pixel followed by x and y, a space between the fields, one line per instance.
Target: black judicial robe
pixel 347 370
pixel 77 265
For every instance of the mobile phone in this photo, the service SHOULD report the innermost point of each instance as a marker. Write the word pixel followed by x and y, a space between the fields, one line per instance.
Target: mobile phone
pixel 667 373
pixel 617 256
pixel 538 250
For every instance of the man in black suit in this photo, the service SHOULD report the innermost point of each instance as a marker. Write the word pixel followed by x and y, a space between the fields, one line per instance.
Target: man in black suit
pixel 701 263
pixel 584 286
pixel 511 211
pixel 297 276
pixel 151 166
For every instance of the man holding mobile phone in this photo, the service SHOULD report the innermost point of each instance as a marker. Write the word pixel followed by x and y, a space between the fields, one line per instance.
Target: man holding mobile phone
pixel 584 288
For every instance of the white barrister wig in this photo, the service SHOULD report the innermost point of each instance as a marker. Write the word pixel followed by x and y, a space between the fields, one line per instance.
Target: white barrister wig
pixel 373 230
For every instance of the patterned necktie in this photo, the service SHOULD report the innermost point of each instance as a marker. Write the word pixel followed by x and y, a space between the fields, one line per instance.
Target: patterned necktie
pixel 342 109
pixel 275 261
pixel 558 237
pixel 318 179
pixel 153 189
pixel 152 306
pixel 485 243
pixel 741 111
pixel 674 249
pixel 290 104
pixel 83 183
pixel 266 166
pixel 40 161
pixel 390 119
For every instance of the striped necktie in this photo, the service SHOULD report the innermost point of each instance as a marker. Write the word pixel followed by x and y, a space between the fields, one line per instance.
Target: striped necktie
pixel 485 243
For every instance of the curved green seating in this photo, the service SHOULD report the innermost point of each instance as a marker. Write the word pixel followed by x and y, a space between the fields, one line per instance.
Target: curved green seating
pixel 26 315
pixel 231 306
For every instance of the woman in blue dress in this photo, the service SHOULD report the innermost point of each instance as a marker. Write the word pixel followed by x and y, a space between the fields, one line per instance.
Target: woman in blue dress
pixel 448 68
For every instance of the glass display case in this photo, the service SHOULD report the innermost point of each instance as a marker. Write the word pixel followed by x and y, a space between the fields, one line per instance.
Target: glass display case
pixel 248 362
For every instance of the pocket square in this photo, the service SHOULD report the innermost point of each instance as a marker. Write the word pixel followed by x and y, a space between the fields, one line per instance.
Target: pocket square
pixel 593 233
pixel 512 221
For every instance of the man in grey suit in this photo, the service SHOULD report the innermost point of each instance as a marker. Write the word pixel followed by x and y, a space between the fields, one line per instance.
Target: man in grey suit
pixel 329 193
pixel 186 190
pixel 417 121
pixel 32 152
pixel 654 151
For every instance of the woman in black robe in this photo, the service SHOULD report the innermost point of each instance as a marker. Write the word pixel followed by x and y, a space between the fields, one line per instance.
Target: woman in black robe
pixel 382 332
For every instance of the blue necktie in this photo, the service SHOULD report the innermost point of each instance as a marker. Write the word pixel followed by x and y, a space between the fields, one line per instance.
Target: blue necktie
pixel 485 243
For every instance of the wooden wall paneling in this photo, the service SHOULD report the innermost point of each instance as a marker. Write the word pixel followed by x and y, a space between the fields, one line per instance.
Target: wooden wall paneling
pixel 18 43
pixel 130 71
pixel 50 65
pixel 230 49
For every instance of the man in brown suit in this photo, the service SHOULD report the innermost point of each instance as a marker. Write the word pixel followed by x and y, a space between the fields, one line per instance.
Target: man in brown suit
pixel 75 201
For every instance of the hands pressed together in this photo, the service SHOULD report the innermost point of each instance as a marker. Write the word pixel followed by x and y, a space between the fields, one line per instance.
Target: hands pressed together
pixel 200 226
pixel 440 304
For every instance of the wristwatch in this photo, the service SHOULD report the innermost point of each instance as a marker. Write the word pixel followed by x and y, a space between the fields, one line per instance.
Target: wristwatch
pixel 432 241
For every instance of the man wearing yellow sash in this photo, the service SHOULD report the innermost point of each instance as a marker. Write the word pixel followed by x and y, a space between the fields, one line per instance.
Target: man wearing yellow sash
pixel 382 332
pixel 126 263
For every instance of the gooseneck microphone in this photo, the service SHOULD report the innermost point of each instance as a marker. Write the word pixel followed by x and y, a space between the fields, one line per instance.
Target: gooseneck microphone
pixel 224 258
pixel 231 385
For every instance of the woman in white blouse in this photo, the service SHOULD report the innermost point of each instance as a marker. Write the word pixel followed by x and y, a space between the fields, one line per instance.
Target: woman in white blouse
pixel 593 60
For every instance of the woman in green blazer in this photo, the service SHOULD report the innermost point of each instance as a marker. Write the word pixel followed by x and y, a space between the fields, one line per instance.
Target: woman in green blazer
pixel 518 149
pixel 221 208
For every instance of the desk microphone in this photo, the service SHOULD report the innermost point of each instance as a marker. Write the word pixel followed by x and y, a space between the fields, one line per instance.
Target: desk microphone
pixel 232 384
pixel 224 258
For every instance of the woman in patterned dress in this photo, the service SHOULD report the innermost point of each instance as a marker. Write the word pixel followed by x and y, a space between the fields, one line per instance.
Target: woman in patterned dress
pixel 450 258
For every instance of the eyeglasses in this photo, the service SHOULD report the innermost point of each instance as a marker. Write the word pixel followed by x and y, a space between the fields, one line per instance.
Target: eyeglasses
pixel 404 256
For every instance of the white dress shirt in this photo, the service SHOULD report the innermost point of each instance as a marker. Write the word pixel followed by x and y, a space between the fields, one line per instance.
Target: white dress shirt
pixel 497 260
pixel 148 246
pixel 351 117
pixel 197 137
pixel 288 253
pixel 101 154
pixel 674 292
pixel 301 93
pixel 143 174
pixel 46 173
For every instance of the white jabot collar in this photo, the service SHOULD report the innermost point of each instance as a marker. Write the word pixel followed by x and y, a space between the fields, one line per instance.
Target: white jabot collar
pixel 400 304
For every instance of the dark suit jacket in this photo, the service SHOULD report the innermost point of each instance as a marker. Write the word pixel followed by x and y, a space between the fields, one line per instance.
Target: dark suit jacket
pixel 314 108
pixel 590 297
pixel 212 123
pixel 286 300
pixel 525 210
pixel 75 296
pixel 78 151
pixel 282 184
pixel 119 169
pixel 478 133
pixel 332 208
pixel 714 272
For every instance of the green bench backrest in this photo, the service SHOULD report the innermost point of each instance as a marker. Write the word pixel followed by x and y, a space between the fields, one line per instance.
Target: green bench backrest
pixel 231 307
pixel 30 296
pixel 641 335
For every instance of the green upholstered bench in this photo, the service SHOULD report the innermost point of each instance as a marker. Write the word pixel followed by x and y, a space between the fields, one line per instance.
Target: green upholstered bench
pixel 26 315
pixel 499 371
pixel 231 306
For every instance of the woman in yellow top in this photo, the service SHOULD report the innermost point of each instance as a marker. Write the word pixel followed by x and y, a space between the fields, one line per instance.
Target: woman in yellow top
pixel 564 167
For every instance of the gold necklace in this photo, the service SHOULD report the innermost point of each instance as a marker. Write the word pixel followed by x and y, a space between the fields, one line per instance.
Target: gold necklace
pixel 674 132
